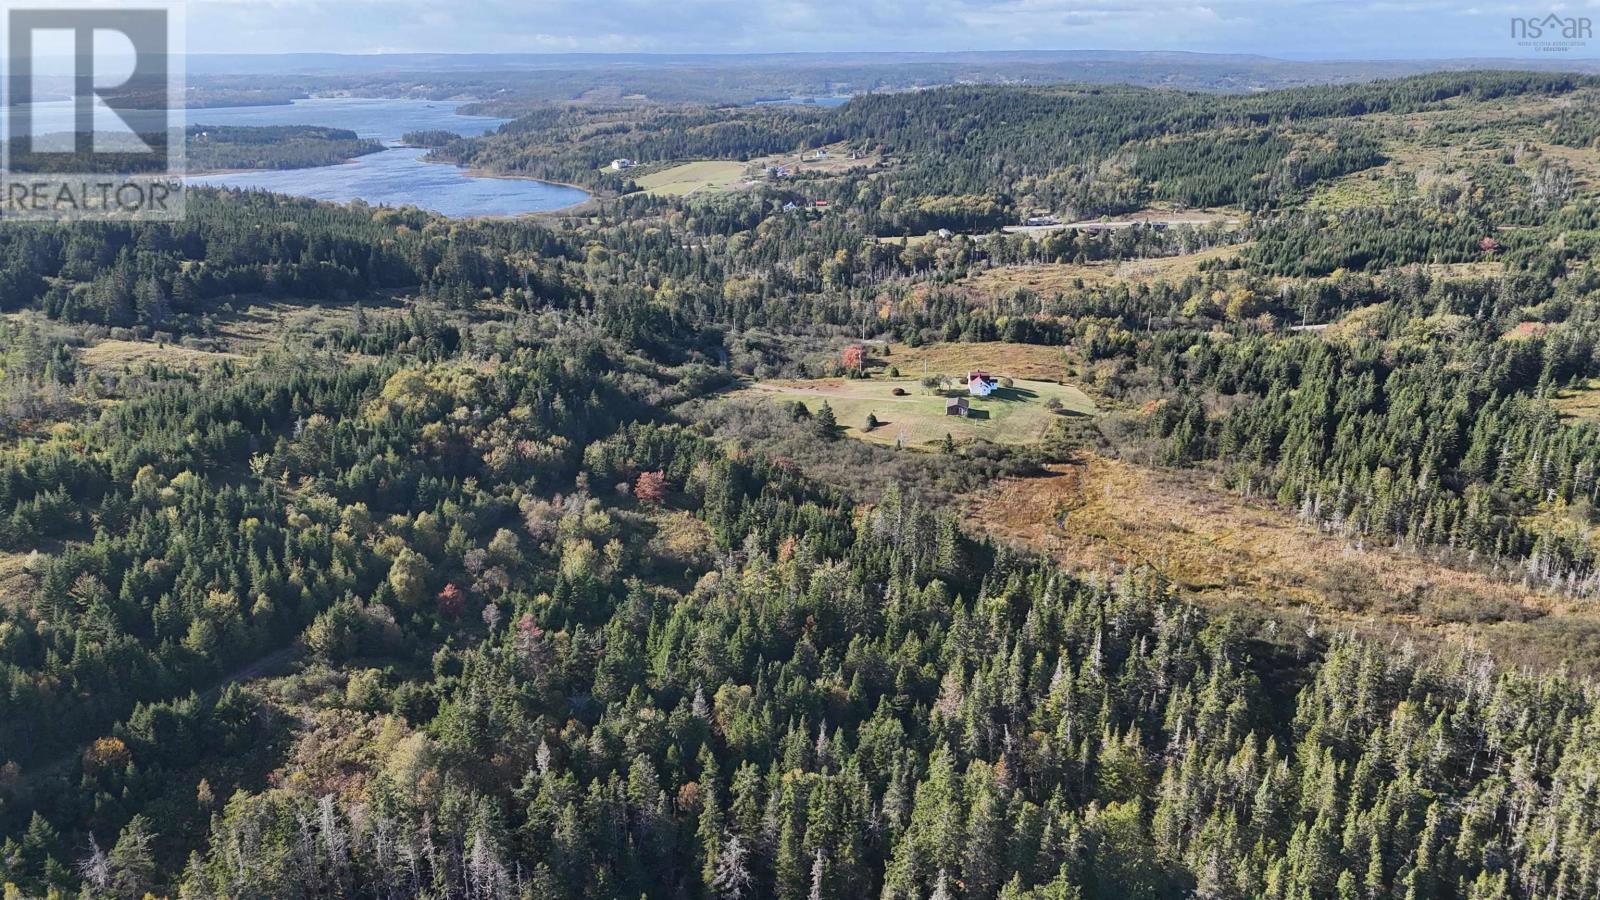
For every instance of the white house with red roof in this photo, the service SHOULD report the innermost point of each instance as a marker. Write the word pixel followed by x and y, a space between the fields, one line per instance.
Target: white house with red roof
pixel 980 384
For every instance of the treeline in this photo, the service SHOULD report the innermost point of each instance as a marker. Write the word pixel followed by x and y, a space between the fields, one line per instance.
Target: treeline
pixel 882 708
pixel 172 276
pixel 741 261
pixel 558 646
pixel 1086 151
pixel 1368 240
pixel 1428 430
pixel 1079 151
pixel 429 138
pixel 188 558
pixel 212 147
pixel 576 144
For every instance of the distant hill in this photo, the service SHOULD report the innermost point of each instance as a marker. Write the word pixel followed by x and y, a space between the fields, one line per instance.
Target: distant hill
pixel 742 78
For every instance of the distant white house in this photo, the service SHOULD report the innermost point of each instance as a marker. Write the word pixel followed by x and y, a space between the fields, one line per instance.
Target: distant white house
pixel 980 384
pixel 821 154
pixel 620 164
pixel 946 233
pixel 1041 220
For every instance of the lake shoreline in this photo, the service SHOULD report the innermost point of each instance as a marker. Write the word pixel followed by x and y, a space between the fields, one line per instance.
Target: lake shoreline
pixel 398 175
pixel 590 193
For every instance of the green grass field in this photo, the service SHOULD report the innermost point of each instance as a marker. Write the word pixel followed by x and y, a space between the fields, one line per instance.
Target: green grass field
pixel 1014 415
pixel 703 175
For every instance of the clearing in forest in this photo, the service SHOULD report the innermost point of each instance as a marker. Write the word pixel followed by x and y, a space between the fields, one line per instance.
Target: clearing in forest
pixel 115 354
pixel 1104 515
pixel 687 178
pixel 1035 362
pixel 1019 414
pixel 1581 403
pixel 829 160
pixel 1050 278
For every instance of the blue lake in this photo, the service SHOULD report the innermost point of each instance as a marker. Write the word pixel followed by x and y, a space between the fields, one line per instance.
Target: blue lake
pixel 384 120
pixel 398 177
pixel 394 177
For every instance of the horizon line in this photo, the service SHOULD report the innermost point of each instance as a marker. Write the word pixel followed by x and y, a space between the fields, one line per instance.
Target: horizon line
pixel 820 53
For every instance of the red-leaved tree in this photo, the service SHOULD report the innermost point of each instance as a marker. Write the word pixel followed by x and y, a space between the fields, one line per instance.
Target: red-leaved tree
pixel 451 602
pixel 855 357
pixel 651 487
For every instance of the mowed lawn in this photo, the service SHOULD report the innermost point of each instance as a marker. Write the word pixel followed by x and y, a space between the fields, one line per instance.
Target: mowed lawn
pixel 703 175
pixel 1016 415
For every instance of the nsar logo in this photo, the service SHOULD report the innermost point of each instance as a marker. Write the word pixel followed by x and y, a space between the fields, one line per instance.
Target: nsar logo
pixel 1552 33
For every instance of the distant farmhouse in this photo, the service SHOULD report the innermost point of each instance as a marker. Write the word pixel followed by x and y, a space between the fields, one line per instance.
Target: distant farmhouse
pixel 980 384
pixel 619 165
pixel 958 406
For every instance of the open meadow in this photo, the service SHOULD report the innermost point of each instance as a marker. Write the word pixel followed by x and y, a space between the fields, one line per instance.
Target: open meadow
pixel 690 177
pixel 1019 414
pixel 1104 516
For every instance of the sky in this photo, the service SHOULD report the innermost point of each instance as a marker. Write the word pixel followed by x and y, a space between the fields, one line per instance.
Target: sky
pixel 1296 29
